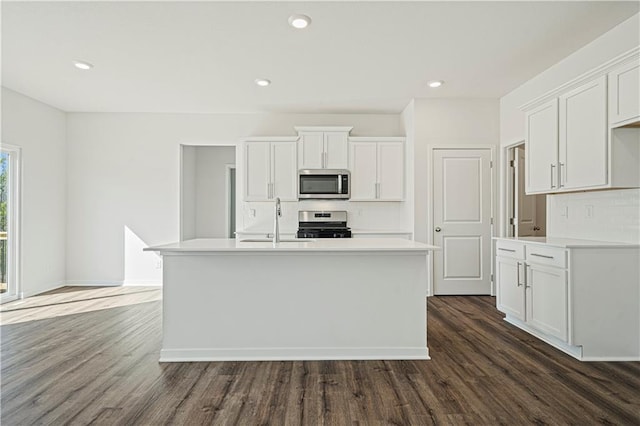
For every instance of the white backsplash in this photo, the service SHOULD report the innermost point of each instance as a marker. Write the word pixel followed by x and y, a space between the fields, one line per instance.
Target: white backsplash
pixel 612 215
pixel 382 216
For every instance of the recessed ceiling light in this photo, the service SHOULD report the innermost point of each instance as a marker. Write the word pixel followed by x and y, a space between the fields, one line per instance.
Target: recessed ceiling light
pixel 435 83
pixel 82 65
pixel 262 82
pixel 299 21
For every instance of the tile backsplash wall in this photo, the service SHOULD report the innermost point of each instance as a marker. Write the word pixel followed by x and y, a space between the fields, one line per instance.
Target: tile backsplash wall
pixel 595 215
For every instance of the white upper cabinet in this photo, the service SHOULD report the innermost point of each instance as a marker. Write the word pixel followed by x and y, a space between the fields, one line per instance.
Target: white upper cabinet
pixel 582 155
pixel 624 94
pixel 257 171
pixel 541 146
pixel 584 135
pixel 270 170
pixel 311 150
pixel 364 173
pixel 377 169
pixel 336 150
pixel 323 147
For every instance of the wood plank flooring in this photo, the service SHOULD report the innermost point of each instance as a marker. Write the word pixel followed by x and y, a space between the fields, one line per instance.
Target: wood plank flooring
pixel 64 364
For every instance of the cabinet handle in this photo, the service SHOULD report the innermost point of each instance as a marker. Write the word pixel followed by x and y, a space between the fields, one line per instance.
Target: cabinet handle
pixel 273 189
pixel 518 273
pixel 541 255
pixel 326 160
pixel 561 179
pixel 553 166
pixel 509 250
pixel 526 280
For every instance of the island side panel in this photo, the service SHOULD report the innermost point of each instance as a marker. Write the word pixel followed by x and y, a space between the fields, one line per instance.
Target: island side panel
pixel 266 306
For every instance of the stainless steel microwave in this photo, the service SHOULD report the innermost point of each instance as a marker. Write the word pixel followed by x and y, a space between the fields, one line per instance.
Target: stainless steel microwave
pixel 324 184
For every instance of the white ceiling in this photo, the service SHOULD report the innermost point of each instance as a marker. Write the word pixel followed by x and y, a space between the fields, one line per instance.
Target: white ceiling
pixel 355 57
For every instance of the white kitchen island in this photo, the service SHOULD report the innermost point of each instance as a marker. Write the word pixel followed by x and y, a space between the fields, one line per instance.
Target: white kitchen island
pixel 324 299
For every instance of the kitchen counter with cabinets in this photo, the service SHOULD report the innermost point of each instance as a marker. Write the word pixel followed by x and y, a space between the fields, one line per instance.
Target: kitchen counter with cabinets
pixel 581 296
pixel 225 299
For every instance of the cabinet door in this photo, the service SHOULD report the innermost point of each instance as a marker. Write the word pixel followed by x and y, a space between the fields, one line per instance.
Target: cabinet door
pixel 541 146
pixel 624 93
pixel 510 287
pixel 311 150
pixel 583 136
pixel 336 150
pixel 257 174
pixel 390 171
pixel 362 159
pixel 546 296
pixel 284 171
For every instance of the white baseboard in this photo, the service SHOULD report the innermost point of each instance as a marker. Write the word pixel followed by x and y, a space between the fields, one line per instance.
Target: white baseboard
pixel 291 354
pixel 92 283
pixel 574 351
pixel 151 283
pixel 48 287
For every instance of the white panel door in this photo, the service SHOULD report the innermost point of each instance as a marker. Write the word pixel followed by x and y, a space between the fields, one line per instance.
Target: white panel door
pixel 525 213
pixel 390 171
pixel 311 150
pixel 284 171
pixel 257 174
pixel 542 148
pixel 362 159
pixel 336 150
pixel 462 221
pixel 583 136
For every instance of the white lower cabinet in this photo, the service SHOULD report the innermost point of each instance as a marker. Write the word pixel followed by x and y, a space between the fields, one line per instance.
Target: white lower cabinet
pixel 583 300
pixel 546 297
pixel 510 294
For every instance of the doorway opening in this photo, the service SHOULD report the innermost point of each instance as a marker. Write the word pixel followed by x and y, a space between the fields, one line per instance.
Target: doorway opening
pixel 527 214
pixel 231 200
pixel 9 223
pixel 207 173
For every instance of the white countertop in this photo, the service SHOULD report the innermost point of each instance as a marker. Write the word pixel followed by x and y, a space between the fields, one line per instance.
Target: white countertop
pixel 204 245
pixel 568 242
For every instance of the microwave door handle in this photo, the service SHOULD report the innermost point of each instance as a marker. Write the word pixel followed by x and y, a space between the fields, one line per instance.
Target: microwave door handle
pixel 339 184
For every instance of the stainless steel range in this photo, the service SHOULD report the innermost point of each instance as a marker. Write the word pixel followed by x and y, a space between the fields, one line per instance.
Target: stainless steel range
pixel 323 224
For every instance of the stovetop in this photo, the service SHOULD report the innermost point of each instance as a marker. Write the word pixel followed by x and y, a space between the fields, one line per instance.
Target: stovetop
pixel 323 224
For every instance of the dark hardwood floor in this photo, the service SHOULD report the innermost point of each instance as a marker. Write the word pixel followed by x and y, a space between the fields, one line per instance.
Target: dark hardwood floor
pixel 100 366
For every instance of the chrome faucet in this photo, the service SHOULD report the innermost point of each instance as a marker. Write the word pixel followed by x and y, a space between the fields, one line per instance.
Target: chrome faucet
pixel 276 225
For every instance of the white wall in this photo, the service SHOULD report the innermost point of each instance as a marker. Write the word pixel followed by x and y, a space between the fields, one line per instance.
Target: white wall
pixel 40 130
pixel 124 178
pixel 188 193
pixel 615 42
pixel 446 122
pixel 211 190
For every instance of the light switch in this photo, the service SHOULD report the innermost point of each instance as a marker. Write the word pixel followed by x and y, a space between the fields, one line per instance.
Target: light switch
pixel 252 212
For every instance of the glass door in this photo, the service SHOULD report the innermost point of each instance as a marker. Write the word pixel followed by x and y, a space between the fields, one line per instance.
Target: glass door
pixel 9 199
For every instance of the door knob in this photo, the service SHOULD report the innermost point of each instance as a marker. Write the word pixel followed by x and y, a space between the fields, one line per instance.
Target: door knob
pixel 438 229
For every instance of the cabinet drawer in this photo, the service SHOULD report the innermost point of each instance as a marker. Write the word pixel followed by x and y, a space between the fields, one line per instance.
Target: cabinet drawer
pixel 543 255
pixel 510 249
